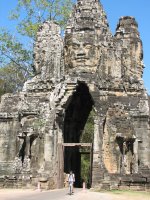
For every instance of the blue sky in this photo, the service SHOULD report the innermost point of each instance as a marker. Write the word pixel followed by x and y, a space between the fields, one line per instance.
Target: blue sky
pixel 140 9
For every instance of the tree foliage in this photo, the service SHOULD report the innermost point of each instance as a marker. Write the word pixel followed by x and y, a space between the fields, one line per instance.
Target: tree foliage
pixel 38 11
pixel 13 51
pixel 16 62
pixel 87 137
pixel 11 79
pixel 16 58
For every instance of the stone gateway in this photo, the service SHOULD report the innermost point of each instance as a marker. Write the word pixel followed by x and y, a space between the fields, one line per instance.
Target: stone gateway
pixel 90 70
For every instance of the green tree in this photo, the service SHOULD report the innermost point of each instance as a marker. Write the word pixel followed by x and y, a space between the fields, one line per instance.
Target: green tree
pixel 11 79
pixel 28 14
pixel 38 11
pixel 87 137
pixel 13 51
pixel 16 62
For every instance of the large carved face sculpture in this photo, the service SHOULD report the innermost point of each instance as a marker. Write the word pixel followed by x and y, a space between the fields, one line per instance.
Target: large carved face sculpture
pixel 81 52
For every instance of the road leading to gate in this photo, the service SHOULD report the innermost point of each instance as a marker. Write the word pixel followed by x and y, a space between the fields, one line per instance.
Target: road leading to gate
pixel 63 195
pixel 52 195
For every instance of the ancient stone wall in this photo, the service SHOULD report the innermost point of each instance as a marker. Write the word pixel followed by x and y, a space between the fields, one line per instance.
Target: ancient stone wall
pixel 90 70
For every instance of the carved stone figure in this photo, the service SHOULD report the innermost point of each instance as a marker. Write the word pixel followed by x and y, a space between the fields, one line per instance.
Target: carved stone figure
pixel 82 52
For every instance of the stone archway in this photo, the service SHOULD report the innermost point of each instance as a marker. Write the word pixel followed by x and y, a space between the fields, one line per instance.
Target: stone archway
pixel 76 115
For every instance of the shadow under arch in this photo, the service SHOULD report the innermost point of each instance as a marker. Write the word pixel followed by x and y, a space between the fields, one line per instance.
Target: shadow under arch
pixel 76 115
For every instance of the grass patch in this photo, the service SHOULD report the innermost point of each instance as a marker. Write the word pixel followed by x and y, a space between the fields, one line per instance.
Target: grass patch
pixel 122 192
pixel 129 192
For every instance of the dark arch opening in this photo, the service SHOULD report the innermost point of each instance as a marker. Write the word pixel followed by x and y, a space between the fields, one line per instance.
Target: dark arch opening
pixel 76 116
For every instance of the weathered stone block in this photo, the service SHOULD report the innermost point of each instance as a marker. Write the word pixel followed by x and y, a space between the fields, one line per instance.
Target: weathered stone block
pixel 89 71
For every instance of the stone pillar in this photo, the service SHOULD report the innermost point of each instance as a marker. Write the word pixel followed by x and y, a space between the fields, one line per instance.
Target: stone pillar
pixel 48 147
pixel 123 170
pixel 96 171
pixel 96 141
pixel 27 142
pixel 135 161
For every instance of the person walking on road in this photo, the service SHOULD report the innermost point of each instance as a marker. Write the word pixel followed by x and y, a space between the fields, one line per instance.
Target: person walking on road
pixel 71 180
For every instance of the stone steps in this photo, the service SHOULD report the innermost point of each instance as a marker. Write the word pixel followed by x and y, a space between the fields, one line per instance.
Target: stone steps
pixel 64 95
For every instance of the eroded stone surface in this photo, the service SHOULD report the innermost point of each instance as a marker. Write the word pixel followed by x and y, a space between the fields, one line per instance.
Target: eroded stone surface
pixel 90 70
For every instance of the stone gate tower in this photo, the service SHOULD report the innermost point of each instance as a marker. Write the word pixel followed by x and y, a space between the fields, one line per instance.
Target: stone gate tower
pixel 89 70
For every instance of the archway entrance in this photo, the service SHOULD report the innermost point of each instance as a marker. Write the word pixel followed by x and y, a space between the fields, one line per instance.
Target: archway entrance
pixel 76 140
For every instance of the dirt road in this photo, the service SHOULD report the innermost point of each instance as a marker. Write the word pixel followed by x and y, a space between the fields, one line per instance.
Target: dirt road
pixel 63 195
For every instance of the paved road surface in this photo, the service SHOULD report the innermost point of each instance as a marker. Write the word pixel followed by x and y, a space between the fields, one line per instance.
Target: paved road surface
pixel 53 195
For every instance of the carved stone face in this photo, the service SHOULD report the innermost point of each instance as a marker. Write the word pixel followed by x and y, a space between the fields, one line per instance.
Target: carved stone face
pixel 81 52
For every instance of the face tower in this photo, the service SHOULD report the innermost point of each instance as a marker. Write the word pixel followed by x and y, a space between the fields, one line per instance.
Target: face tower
pixel 90 74
pixel 86 33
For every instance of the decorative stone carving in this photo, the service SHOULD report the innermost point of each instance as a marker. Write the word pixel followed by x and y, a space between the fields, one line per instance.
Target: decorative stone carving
pixel 48 51
pixel 89 70
pixel 82 52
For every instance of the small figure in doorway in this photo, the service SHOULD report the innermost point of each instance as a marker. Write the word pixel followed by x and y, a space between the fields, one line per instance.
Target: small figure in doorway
pixel 71 180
